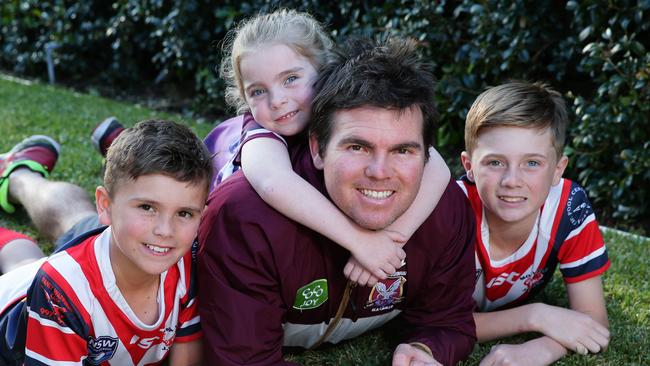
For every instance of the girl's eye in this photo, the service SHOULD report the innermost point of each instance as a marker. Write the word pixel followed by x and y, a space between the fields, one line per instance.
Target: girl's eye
pixel 290 79
pixel 257 92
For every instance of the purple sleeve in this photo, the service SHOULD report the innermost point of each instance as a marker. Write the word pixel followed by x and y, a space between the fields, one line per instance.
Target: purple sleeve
pixel 440 313
pixel 240 304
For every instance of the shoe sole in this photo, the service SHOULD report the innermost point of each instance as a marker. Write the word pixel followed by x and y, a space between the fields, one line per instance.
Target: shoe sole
pixel 100 130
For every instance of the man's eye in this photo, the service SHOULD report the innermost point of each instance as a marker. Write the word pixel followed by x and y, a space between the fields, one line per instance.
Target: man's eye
pixel 403 151
pixel 146 207
pixel 356 147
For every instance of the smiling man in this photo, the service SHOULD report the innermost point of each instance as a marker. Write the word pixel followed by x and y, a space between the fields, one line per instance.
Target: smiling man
pixel 268 282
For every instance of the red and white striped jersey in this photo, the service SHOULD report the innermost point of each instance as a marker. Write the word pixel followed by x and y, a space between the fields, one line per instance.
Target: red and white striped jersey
pixel 77 315
pixel 566 232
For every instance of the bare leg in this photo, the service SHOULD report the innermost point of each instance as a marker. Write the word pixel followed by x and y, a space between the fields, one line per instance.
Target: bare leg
pixel 54 207
pixel 17 253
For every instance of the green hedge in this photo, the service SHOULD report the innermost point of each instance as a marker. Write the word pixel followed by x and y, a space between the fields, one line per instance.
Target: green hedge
pixel 595 52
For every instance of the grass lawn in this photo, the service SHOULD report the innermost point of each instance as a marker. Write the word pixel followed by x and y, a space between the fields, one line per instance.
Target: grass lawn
pixel 30 108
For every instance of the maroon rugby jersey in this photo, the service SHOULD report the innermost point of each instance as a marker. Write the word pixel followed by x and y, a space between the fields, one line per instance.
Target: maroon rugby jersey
pixel 268 282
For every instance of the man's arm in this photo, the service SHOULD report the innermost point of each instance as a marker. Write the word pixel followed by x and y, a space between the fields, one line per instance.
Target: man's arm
pixel 440 262
pixel 240 304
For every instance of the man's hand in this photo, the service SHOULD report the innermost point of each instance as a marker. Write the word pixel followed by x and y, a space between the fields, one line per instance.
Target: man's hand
pixel 574 330
pixel 376 255
pixel 407 355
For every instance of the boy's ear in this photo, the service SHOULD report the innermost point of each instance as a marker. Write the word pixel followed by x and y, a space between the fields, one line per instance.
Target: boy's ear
pixel 315 155
pixel 559 169
pixel 103 204
pixel 466 162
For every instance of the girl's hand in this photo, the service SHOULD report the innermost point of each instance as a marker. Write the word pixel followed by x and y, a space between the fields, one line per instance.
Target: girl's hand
pixel 375 256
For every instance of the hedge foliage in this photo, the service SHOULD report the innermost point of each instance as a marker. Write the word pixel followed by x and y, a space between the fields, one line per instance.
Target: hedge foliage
pixel 594 51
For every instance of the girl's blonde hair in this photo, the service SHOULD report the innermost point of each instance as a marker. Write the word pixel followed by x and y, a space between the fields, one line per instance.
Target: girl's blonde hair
pixel 296 30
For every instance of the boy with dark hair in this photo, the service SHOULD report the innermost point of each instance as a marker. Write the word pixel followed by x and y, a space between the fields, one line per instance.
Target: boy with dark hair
pixel 122 294
pixel 529 220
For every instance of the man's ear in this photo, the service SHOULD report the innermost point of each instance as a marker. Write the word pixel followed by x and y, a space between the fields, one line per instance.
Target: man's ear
pixel 559 169
pixel 466 162
pixel 103 204
pixel 315 155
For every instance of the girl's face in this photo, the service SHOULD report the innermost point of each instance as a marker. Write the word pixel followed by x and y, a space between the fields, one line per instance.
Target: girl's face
pixel 278 86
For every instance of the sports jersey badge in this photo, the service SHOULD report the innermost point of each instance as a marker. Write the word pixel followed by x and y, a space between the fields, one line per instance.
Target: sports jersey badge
pixel 386 293
pixel 533 279
pixel 101 349
pixel 311 295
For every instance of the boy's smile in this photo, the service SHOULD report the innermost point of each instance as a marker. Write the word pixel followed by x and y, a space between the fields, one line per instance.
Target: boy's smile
pixel 154 220
pixel 513 169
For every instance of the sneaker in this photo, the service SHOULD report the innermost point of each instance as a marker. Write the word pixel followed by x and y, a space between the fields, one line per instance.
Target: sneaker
pixel 38 153
pixel 104 134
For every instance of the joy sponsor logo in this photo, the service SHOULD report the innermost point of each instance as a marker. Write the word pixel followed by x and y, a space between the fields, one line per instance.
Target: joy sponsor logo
pixel 312 295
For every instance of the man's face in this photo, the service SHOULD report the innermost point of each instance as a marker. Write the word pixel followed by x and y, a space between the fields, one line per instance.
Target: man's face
pixel 373 163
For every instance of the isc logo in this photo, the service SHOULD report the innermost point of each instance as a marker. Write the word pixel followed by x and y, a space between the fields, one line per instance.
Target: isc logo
pixel 511 278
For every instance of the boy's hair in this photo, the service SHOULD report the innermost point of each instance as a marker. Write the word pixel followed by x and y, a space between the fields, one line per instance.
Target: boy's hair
pixel 157 147
pixel 518 104
pixel 365 73
pixel 296 30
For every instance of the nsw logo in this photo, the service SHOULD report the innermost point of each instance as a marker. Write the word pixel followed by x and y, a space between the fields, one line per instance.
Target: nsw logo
pixel 311 295
pixel 101 349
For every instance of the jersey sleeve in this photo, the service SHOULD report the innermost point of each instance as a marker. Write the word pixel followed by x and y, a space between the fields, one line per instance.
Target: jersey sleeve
pixel 56 315
pixel 240 306
pixel 250 130
pixel 189 326
pixel 582 253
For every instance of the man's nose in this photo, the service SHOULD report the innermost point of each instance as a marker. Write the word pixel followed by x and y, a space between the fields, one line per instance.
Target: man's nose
pixel 378 167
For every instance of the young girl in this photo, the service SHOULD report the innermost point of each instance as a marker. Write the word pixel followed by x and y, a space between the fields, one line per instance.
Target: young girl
pixel 270 66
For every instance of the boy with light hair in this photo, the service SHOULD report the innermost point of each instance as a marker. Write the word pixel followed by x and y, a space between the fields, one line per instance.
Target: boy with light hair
pixel 529 220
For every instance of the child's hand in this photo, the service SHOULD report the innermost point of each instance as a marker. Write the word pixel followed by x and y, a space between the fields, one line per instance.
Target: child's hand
pixel 527 353
pixel 379 253
pixel 574 330
pixel 355 272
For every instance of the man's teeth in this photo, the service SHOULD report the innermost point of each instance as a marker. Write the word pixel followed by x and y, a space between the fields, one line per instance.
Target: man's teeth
pixel 156 249
pixel 378 195
pixel 512 199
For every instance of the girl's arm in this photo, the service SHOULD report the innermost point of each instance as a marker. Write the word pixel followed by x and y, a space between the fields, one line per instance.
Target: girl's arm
pixel 267 167
pixel 434 183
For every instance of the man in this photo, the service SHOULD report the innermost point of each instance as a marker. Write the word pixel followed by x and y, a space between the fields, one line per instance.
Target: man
pixel 268 282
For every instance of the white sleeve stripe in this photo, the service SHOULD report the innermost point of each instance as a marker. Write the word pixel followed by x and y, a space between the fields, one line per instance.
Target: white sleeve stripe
pixel 191 322
pixel 595 254
pixel 49 323
pixel 577 230
pixel 260 132
pixel 462 186
pixel 31 354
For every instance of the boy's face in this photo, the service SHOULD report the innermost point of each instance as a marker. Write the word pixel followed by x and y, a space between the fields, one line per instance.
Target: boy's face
pixel 513 169
pixel 278 85
pixel 154 220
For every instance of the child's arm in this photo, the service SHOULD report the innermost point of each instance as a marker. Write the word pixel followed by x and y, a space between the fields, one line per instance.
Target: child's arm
pixel 434 182
pixel 186 353
pixel 583 327
pixel 267 167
